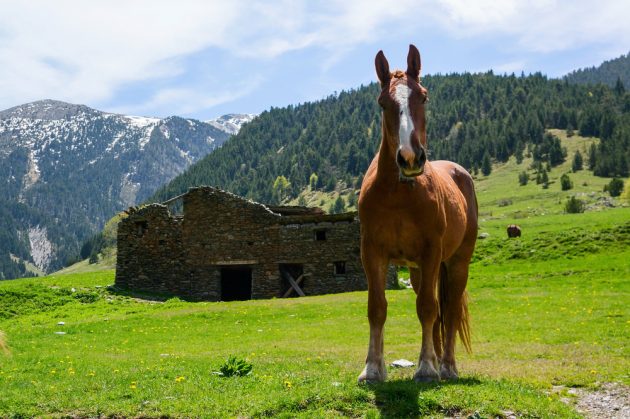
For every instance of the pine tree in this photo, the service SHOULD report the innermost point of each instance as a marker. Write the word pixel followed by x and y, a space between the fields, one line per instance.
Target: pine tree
pixel 523 178
pixel 592 157
pixel 620 89
pixel 615 187
pixel 578 161
pixel 486 164
pixel 312 181
pixel 565 182
pixel 544 179
pixel 339 206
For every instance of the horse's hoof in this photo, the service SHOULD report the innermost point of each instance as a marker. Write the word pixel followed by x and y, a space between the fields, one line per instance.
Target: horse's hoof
pixel 448 372
pixel 371 375
pixel 426 373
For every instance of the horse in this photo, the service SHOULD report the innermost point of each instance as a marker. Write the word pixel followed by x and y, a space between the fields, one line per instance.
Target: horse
pixel 418 213
pixel 513 231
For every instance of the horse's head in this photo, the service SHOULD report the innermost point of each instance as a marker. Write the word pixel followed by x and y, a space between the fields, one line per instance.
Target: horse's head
pixel 402 99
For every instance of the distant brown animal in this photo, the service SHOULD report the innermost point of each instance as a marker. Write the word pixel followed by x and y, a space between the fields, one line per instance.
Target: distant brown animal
pixel 420 214
pixel 513 231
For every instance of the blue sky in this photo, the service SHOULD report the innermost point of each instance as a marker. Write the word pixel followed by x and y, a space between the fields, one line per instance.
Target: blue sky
pixel 202 59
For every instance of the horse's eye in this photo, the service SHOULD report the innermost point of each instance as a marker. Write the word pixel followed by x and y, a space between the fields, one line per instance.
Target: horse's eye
pixel 401 112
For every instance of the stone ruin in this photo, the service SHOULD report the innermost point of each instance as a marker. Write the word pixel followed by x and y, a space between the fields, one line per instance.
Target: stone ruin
pixel 225 248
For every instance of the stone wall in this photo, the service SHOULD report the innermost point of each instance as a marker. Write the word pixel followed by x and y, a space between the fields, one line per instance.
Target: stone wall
pixel 150 252
pixel 185 255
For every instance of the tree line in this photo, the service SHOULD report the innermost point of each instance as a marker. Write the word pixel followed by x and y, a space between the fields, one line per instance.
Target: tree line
pixel 472 119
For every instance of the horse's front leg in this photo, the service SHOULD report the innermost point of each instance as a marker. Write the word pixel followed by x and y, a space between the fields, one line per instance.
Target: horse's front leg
pixel 427 310
pixel 375 267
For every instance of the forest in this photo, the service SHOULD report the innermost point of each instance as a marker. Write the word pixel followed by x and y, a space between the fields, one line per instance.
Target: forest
pixel 471 119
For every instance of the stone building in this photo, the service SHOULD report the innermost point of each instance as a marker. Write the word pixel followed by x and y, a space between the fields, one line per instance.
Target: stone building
pixel 226 248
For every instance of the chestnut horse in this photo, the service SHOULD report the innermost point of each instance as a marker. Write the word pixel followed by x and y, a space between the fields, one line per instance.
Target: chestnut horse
pixel 420 214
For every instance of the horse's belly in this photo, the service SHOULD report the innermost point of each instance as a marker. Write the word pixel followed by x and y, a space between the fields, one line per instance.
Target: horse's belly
pixel 404 262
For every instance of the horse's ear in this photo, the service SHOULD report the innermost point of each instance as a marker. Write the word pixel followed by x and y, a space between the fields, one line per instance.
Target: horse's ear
pixel 413 62
pixel 382 68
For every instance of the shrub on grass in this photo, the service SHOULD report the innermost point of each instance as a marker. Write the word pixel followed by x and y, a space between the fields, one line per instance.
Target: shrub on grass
pixel 565 182
pixel 523 178
pixel 614 187
pixel 574 206
pixel 234 366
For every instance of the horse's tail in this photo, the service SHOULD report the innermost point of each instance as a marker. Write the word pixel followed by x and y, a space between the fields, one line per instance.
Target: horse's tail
pixel 463 328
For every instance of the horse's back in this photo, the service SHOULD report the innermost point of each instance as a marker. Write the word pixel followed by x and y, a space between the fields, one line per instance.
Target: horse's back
pixel 464 183
pixel 462 179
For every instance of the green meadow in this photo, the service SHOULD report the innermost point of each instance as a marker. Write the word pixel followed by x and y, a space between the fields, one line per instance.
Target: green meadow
pixel 550 311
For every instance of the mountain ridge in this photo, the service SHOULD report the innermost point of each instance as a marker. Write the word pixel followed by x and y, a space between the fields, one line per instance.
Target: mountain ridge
pixel 69 168
pixel 606 73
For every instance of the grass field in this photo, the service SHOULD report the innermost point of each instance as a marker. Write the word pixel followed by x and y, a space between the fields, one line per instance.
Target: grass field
pixel 549 309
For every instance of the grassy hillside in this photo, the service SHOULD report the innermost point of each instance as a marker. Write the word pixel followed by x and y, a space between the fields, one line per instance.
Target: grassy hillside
pixel 550 311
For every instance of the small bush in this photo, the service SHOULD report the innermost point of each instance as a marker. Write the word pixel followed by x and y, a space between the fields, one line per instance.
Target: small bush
pixel 86 297
pixel 234 366
pixel 523 178
pixel 615 187
pixel 565 182
pixel 504 202
pixel 574 206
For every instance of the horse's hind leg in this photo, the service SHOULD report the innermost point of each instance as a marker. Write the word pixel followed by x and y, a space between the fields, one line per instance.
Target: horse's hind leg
pixel 427 309
pixel 375 271
pixel 454 312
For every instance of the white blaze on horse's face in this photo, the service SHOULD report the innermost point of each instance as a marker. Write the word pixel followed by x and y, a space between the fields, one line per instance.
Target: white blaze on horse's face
pixel 401 95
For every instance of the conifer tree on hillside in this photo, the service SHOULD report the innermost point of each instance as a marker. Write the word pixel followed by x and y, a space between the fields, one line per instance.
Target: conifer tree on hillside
pixel 578 161
pixel 486 164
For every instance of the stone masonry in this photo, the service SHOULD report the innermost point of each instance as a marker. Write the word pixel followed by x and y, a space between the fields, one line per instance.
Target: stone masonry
pixel 225 247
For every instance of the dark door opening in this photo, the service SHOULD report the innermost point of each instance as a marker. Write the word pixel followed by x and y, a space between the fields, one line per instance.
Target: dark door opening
pixel 295 271
pixel 236 283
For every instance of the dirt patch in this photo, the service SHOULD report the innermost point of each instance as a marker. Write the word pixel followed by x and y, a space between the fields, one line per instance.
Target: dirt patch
pixel 609 401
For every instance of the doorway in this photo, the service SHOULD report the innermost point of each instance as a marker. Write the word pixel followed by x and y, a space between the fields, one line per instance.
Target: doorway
pixel 295 271
pixel 236 283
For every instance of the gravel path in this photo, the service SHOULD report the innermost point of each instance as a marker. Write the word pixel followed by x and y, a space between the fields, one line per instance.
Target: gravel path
pixel 610 401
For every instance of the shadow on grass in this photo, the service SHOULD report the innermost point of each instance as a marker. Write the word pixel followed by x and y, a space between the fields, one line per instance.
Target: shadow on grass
pixel 406 398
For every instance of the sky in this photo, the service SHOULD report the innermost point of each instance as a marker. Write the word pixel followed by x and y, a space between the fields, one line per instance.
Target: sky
pixel 203 59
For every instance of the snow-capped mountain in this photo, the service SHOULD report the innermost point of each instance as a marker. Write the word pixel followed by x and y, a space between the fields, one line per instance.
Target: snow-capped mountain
pixel 66 169
pixel 232 122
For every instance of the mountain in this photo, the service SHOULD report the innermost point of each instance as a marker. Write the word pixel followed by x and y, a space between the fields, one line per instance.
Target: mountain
pixel 68 168
pixel 232 122
pixel 471 118
pixel 607 73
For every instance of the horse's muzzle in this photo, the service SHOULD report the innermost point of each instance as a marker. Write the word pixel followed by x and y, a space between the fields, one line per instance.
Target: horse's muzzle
pixel 411 162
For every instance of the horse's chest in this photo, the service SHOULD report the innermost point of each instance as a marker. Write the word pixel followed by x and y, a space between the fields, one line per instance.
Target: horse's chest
pixel 402 236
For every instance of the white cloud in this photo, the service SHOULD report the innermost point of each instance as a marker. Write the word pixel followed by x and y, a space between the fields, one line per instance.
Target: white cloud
pixel 182 101
pixel 88 51
pixel 82 51
pixel 540 25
